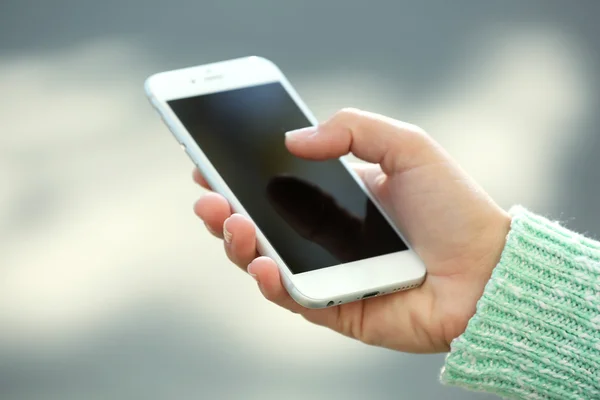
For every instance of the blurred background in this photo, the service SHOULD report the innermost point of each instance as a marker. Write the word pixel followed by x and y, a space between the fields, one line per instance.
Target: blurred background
pixel 111 289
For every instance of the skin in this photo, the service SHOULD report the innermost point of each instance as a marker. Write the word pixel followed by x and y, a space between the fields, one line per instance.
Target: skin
pixel 453 225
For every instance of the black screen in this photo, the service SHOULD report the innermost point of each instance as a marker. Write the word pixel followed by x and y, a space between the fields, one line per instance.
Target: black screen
pixel 313 213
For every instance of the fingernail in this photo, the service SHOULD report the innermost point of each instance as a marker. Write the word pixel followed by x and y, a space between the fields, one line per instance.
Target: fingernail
pixel 249 270
pixel 301 133
pixel 226 234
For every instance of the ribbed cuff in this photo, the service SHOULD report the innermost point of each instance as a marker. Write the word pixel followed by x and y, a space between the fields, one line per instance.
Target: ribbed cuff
pixel 536 332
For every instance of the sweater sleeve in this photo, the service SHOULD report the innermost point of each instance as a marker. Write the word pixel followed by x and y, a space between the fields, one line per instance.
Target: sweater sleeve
pixel 536 331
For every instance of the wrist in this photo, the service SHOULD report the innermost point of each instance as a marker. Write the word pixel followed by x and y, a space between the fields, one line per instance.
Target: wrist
pixel 491 247
pixel 536 327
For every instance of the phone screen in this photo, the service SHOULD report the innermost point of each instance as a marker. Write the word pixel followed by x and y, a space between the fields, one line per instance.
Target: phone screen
pixel 313 213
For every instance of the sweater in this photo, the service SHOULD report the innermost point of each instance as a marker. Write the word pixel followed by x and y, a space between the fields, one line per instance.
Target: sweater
pixel 536 330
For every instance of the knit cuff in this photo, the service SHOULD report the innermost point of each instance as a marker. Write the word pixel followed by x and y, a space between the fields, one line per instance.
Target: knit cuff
pixel 536 331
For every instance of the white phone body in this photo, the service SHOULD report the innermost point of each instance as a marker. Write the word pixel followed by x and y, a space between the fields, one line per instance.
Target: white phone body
pixel 320 288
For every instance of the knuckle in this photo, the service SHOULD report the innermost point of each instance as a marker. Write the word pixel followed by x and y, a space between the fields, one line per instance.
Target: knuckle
pixel 369 339
pixel 348 113
pixel 417 132
pixel 412 138
pixel 346 117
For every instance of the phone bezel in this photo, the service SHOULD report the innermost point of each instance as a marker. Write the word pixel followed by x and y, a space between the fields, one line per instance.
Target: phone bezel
pixel 333 285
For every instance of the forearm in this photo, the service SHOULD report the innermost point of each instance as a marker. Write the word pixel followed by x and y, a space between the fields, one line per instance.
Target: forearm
pixel 536 332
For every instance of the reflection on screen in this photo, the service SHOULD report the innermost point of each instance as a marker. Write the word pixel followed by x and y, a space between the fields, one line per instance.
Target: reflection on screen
pixel 313 213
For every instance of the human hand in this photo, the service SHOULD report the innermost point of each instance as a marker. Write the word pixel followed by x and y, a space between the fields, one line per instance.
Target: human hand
pixel 452 224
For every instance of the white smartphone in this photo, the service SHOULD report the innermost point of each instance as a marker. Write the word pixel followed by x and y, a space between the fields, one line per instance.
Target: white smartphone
pixel 330 238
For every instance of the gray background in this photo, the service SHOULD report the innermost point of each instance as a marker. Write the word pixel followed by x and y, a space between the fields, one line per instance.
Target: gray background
pixel 110 288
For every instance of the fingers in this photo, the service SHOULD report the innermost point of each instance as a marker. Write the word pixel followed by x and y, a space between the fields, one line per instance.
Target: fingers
pixel 240 240
pixel 266 273
pixel 395 145
pixel 199 179
pixel 237 230
pixel 239 235
pixel 213 209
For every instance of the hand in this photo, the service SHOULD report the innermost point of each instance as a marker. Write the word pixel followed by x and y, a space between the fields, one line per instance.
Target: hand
pixel 453 225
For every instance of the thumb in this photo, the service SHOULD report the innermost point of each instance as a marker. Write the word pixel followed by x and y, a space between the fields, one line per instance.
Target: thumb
pixel 396 146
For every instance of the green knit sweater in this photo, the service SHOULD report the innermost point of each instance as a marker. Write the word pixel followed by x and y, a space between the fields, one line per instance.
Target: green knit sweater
pixel 536 332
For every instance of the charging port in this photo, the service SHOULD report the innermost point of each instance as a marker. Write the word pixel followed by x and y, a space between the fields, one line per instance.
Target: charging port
pixel 366 295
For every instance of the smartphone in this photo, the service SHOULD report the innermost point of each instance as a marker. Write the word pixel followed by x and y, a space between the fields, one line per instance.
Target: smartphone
pixel 332 241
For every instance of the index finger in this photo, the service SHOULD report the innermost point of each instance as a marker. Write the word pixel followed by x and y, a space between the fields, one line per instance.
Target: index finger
pixel 394 145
